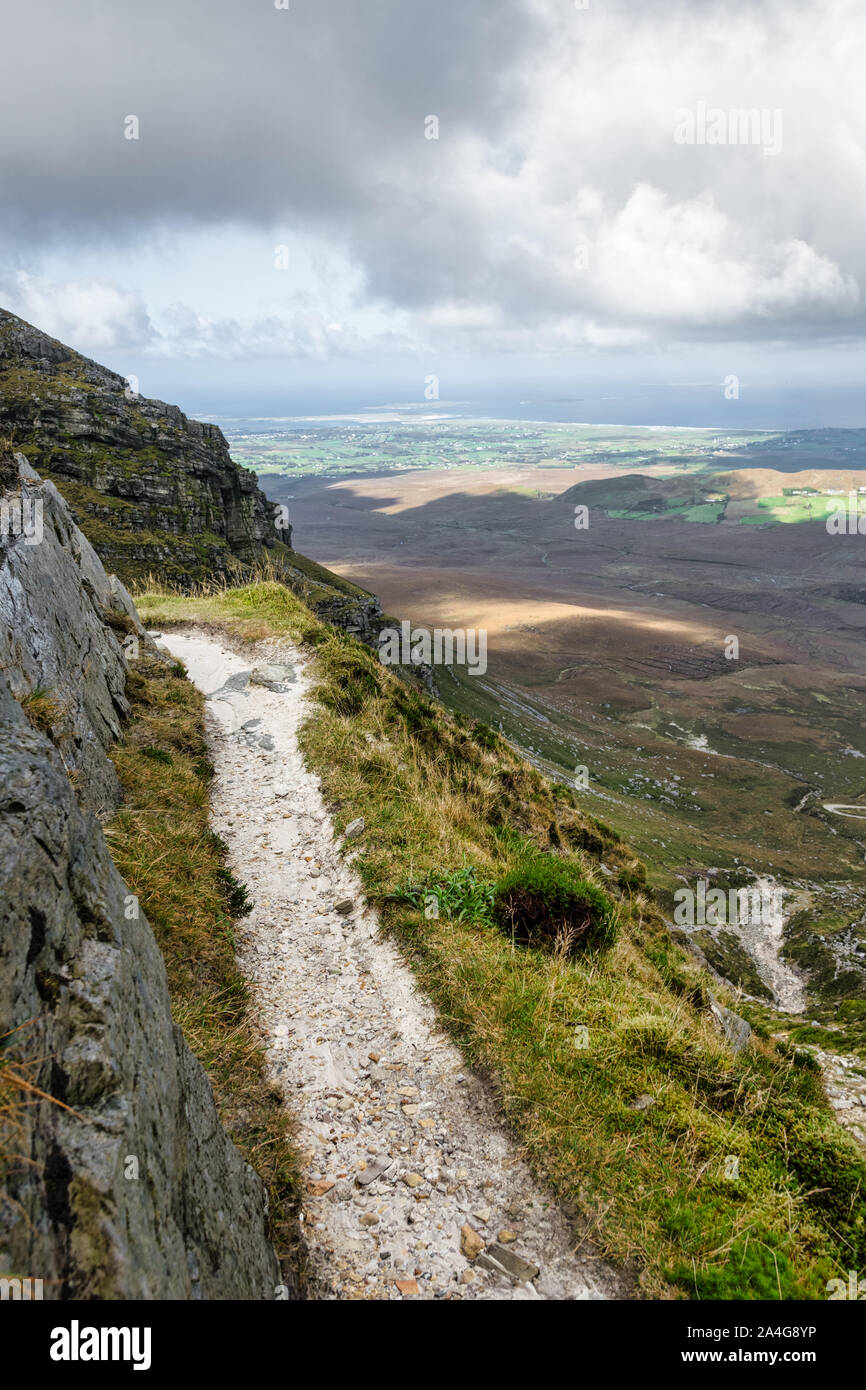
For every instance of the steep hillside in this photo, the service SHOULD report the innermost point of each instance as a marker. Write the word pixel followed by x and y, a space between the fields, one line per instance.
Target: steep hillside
pixel 153 491
pixel 702 1157
pixel 117 1179
pixel 610 657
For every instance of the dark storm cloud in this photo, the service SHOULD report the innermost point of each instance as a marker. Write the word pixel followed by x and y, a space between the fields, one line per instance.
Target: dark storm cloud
pixel 556 131
pixel 246 111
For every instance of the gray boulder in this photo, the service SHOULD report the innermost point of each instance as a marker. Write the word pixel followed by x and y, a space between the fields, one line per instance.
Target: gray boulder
pixel 736 1030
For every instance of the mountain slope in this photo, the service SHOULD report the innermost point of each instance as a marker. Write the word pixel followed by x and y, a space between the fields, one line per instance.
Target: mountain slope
pixel 153 491
pixel 705 1169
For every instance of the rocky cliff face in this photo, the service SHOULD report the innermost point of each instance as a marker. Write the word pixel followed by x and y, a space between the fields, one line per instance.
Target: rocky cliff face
pixel 116 1177
pixel 154 490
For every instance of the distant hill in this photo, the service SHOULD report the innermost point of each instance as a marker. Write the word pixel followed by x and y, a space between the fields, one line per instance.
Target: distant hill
pixel 800 449
pixel 762 496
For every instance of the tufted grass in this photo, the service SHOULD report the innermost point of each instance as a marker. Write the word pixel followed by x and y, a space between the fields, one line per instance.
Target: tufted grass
pixel 700 1173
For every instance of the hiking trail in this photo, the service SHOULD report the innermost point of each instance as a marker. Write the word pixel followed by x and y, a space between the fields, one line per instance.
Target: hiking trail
pixel 409 1170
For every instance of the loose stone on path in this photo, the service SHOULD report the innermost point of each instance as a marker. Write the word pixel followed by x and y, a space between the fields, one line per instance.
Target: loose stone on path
pixel 401 1144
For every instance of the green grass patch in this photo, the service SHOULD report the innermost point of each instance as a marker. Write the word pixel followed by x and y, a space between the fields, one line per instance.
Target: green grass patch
pixel 461 896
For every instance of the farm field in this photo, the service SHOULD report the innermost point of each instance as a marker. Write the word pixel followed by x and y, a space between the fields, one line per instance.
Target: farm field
pixel 334 449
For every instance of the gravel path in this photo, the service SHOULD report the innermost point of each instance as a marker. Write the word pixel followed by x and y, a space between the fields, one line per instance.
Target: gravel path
pixel 414 1188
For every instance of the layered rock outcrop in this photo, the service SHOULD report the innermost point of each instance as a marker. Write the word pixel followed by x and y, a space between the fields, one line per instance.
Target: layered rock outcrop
pixel 154 489
pixel 117 1179
pixel 155 492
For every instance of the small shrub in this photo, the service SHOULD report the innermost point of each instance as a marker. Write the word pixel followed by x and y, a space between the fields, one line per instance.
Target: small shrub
pixel 416 712
pixel 485 736
pixel 591 837
pixel 136 685
pixel 236 894
pixel 633 879
pixel 834 1183
pixel 604 829
pixel 546 903
pixel 461 895
pixel 117 621
pixel 797 1056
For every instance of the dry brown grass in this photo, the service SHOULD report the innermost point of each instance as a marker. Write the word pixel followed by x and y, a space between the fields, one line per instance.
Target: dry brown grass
pixel 45 712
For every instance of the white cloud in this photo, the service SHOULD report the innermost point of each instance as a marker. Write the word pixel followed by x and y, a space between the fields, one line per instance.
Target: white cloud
pixel 687 263
pixel 90 313
pixel 556 130
pixel 306 330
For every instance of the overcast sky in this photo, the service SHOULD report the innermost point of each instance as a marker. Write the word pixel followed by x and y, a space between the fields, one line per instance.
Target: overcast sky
pixel 561 222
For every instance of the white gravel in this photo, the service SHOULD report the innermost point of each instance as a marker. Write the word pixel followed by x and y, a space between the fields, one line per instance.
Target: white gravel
pixel 353 1044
